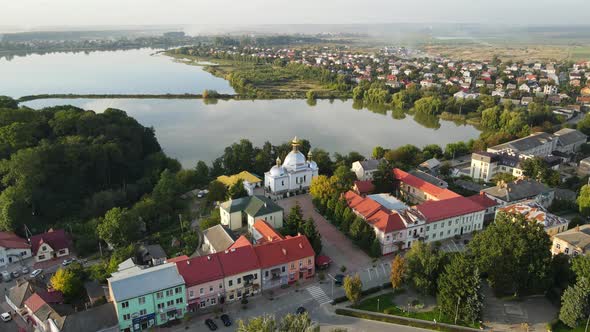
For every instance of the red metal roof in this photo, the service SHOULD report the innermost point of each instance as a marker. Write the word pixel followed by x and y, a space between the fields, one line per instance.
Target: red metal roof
pixel 452 207
pixel 57 240
pixel 483 200
pixel 242 241
pixel 266 231
pixel 364 206
pixel 10 240
pixel 374 213
pixel 386 221
pixel 429 188
pixel 177 259
pixel 364 187
pixel 284 251
pixel 34 302
pixel 238 259
pixel 199 270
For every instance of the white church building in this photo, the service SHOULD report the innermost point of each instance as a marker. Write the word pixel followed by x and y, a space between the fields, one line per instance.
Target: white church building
pixel 293 176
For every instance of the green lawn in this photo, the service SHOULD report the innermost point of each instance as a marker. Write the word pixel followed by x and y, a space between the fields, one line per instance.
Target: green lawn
pixel 387 306
pixel 560 327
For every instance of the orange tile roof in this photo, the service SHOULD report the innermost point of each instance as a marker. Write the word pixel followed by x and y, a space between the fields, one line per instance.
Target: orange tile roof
pixel 266 231
pixel 427 187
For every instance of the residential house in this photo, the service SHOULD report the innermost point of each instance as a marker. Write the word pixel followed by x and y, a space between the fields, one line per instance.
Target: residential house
pixel 365 170
pixel 151 255
pixel 431 165
pixel 537 213
pixel 242 212
pixel 249 180
pixel 241 270
pixel 262 233
pixel 573 242
pixel 430 179
pixel 520 190
pixel 203 278
pixel 537 144
pixel 285 261
pixel 416 190
pixel 102 318
pixel 485 165
pixel 363 188
pixel 50 245
pixel 217 238
pixel 147 297
pixel 13 248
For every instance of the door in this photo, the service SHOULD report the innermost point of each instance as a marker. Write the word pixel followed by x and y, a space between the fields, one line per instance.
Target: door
pixel 461 230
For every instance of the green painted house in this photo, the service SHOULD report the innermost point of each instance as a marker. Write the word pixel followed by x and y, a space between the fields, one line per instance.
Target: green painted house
pixel 147 297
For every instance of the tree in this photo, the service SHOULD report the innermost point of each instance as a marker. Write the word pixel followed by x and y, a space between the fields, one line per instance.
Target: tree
pixel 68 282
pixel 459 290
pixel 375 250
pixel 383 179
pixel 217 192
pixel 343 179
pixel 398 272
pixel 298 323
pixel 584 125
pixel 378 152
pixel 294 220
pixel 118 227
pixel 314 237
pixel 424 265
pixel 521 267
pixel 322 187
pixel 264 323
pixel 237 190
pixel 353 287
pixel 166 192
pixel 574 303
pixel 289 323
pixel 432 151
pixel 581 267
pixel 584 200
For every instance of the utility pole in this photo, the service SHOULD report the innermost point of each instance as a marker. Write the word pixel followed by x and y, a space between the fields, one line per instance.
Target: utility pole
pixel 457 310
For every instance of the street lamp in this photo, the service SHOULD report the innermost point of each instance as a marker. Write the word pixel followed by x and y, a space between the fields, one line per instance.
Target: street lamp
pixel 378 302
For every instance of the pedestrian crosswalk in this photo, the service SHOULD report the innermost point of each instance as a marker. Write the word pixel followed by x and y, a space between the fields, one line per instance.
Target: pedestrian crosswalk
pixel 318 294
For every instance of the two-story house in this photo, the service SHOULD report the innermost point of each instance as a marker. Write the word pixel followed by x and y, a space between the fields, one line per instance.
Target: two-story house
pixel 203 277
pixel 241 270
pixel 147 297
pixel 242 212
pixel 416 190
pixel 573 242
pixel 366 169
pixel 13 248
pixel 50 245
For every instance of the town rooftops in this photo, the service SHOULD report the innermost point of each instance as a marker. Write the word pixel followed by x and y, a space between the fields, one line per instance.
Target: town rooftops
pixel 243 175
pixel 429 188
pixel 364 187
pixel 10 240
pixel 201 269
pixel 578 237
pixel 370 164
pixel 100 318
pixel 19 293
pixel 568 136
pixel 253 205
pixel 448 208
pixel 526 143
pixel 219 237
pixel 239 259
pixel 431 163
pixel 517 190
pixel 483 200
pixel 429 178
pixel 135 281
pixel 389 202
pixel 366 207
pixel 536 212
pixel 56 239
pixel 284 251
pixel 263 232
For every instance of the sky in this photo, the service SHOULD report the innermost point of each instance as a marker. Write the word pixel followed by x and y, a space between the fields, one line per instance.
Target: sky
pixel 33 13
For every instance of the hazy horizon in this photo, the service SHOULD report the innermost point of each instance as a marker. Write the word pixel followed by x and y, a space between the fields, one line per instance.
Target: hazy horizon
pixel 31 14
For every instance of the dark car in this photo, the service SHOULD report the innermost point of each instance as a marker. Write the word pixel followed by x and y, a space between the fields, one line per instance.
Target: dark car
pixel 301 310
pixel 211 324
pixel 225 319
pixel 339 279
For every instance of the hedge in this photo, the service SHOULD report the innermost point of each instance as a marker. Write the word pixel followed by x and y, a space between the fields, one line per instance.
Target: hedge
pixel 402 320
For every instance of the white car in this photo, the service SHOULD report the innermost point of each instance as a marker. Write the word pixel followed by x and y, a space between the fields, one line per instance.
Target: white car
pixel 35 273
pixel 68 261
pixel 6 317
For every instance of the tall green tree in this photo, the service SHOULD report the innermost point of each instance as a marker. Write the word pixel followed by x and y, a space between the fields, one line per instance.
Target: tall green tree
pixel 314 237
pixel 118 227
pixel 584 200
pixel 294 221
pixel 574 303
pixel 237 190
pixel 521 267
pixel 424 265
pixel 459 290
pixel 217 192
pixel 353 286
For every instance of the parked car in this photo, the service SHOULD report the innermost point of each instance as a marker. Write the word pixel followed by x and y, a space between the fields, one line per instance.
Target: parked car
pixel 68 261
pixel 15 274
pixel 6 317
pixel 225 319
pixel 300 311
pixel 211 324
pixel 339 279
pixel 35 273
pixel 6 276
pixel 24 270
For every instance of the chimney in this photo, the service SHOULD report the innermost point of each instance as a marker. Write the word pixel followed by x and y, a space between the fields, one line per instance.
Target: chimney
pixel 300 245
pixel 208 258
pixel 284 251
pixel 233 249
pixel 188 262
pixel 226 251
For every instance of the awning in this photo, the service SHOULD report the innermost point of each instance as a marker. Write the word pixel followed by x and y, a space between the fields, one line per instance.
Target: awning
pixel 323 260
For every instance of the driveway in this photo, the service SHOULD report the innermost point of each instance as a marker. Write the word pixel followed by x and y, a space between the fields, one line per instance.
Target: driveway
pixel 334 243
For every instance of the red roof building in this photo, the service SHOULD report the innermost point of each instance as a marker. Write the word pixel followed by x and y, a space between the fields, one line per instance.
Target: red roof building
pixel 262 232
pixel 203 276
pixel 448 208
pixel 417 190
pixel 15 248
pixel 50 245
pixel 363 187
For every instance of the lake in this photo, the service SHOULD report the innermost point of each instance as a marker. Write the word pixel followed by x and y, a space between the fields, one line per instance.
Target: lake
pixel 104 72
pixel 191 130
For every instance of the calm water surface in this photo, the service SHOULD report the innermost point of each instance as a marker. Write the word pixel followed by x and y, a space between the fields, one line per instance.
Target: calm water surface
pixel 190 130
pixel 104 72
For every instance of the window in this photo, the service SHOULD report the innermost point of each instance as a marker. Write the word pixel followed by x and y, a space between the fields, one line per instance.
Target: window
pixel 125 305
pixel 239 281
pixel 177 290
pixel 202 304
pixel 575 253
pixel 231 297
pixel 142 300
pixel 441 234
pixel 266 274
pixel 434 236
pixel 126 316
pixel 434 227
pixel 168 292
pixel 201 291
pixel 191 294
pixel 41 256
pixel 449 232
pixel 427 228
pixel 213 300
pixel 231 283
pixel 170 303
pixel 450 222
pixel 567 250
pixel 255 276
pixel 159 295
pixel 220 285
pixel 309 260
pixel 210 289
pixel 557 245
pixel 300 263
pixel 160 305
pixel 142 312
pixel 179 300
pixel 239 294
pixel 283 269
pixel 292 265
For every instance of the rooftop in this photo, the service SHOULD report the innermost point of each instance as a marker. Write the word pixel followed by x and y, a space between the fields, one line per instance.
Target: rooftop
pixel 201 269
pixel 526 143
pixel 252 205
pixel 263 232
pixel 238 259
pixel 243 175
pixel 219 237
pixel 135 281
pixel 56 239
pixel 517 190
pixel 389 202
pixel 429 188
pixel 448 208
pixel 284 251
pixel 578 237
pixel 536 212
pixel 10 240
